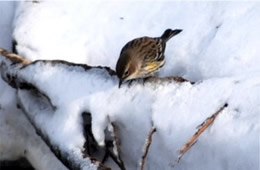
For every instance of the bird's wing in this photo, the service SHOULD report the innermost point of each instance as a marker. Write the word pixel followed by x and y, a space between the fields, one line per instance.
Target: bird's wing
pixel 155 51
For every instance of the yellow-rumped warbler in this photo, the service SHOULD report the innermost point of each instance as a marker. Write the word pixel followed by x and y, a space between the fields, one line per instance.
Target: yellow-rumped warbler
pixel 142 57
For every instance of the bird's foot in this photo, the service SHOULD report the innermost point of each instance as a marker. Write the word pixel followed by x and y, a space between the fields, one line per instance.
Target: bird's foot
pixel 148 79
pixel 130 82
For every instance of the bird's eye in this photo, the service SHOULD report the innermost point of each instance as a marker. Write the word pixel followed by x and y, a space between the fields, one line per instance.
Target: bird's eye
pixel 126 73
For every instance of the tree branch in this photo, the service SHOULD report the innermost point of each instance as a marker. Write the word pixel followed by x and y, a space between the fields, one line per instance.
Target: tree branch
pixel 201 128
pixel 147 146
pixel 14 58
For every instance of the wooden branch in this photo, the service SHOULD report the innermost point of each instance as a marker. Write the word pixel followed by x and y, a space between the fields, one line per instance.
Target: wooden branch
pixel 12 63
pixel 20 163
pixel 14 58
pixel 114 158
pixel 147 146
pixel 201 128
pixel 87 119
pixel 168 79
pixel 90 140
pixel 69 159
pixel 17 59
pixel 32 101
pixel 23 85
pixel 70 64
pixel 116 148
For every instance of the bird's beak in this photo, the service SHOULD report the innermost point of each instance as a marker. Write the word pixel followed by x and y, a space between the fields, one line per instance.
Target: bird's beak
pixel 120 82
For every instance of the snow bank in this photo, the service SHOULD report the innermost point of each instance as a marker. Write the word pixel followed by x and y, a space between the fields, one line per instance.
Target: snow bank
pixel 17 136
pixel 218 48
pixel 6 11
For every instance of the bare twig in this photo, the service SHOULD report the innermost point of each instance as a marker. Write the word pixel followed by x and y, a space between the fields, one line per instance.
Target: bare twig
pixel 201 128
pixel 26 62
pixel 147 146
pixel 105 156
pixel 114 158
pixel 172 78
pixel 90 145
pixel 116 148
pixel 14 58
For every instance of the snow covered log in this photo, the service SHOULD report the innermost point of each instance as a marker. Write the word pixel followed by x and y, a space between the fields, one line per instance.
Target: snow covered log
pixel 48 108
pixel 39 110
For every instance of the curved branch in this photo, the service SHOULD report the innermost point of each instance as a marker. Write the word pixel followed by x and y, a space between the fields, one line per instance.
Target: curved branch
pixel 201 128
pixel 147 146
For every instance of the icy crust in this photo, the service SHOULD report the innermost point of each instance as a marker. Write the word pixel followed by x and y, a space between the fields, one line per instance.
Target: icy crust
pixel 175 110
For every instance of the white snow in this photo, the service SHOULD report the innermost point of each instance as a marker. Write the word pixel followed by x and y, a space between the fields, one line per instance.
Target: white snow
pixel 218 48
pixel 6 10
pixel 17 136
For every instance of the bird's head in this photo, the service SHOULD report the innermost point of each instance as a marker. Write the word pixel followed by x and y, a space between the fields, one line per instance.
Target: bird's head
pixel 126 68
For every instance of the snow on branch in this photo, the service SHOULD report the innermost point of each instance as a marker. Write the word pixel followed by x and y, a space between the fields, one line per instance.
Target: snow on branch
pixel 23 63
pixel 45 108
pixel 39 110
pixel 32 106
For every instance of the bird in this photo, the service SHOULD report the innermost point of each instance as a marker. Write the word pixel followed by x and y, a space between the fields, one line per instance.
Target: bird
pixel 143 57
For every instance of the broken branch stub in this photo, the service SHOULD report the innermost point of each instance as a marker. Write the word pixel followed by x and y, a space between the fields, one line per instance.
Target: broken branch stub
pixel 14 58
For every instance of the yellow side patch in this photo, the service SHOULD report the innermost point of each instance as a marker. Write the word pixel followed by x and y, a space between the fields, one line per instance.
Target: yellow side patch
pixel 153 66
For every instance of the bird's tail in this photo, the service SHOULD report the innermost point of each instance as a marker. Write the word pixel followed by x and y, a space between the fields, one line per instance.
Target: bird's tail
pixel 169 33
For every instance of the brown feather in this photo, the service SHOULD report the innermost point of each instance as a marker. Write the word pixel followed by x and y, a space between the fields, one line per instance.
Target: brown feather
pixel 143 56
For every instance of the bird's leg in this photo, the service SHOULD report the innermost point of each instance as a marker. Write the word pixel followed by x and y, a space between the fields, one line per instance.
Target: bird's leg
pixel 130 82
pixel 147 78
